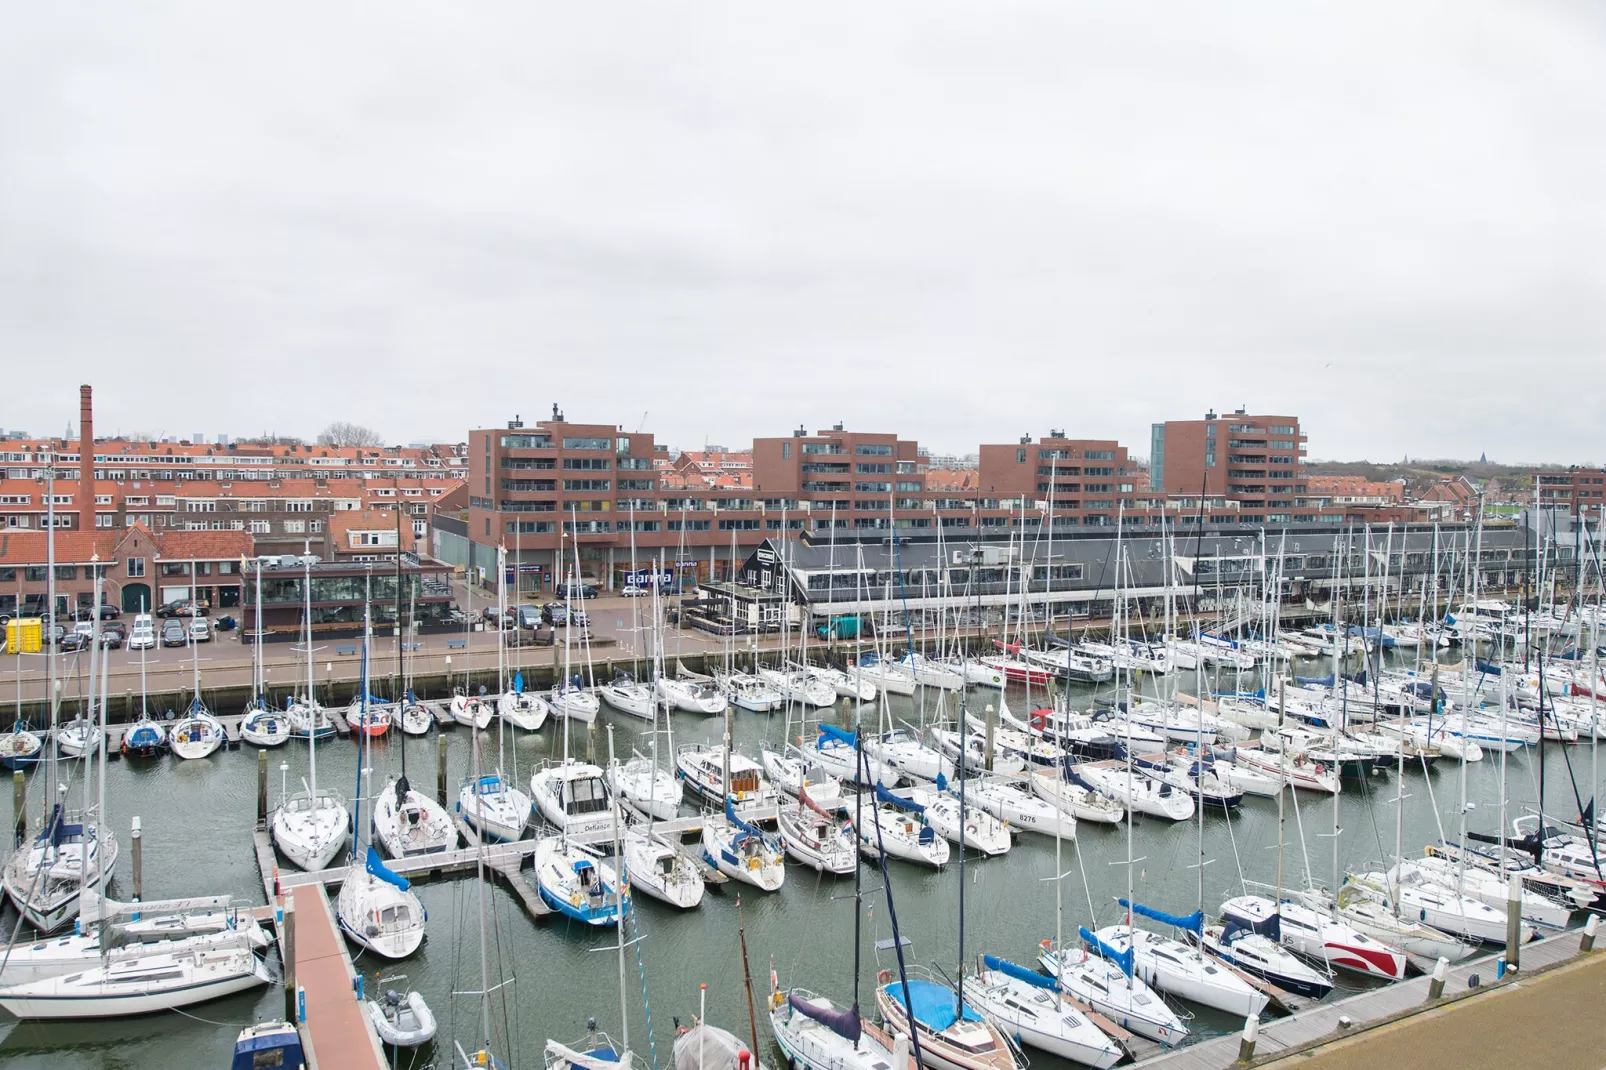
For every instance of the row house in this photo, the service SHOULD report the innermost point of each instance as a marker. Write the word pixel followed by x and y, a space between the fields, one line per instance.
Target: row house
pixel 139 568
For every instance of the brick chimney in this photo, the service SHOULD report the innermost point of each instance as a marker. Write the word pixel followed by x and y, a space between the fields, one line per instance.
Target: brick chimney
pixel 86 460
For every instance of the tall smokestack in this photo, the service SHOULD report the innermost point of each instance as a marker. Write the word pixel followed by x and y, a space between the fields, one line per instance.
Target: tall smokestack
pixel 86 460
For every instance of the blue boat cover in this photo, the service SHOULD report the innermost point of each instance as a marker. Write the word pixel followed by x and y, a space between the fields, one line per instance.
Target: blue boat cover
pixel 518 684
pixel 1020 973
pixel 286 1041
pixel 376 867
pixel 410 696
pixel 832 732
pixel 1192 922
pixel 844 1024
pixel 1122 959
pixel 1487 668
pixel 935 1006
pixel 730 815
pixel 883 795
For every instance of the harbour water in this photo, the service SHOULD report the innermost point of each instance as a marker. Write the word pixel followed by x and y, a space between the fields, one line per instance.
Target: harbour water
pixel 198 818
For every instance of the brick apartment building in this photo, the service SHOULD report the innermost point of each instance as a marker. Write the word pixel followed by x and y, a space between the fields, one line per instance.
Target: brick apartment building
pixel 1581 491
pixel 1251 464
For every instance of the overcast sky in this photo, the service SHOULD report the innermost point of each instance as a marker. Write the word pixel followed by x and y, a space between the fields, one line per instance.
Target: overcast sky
pixel 962 222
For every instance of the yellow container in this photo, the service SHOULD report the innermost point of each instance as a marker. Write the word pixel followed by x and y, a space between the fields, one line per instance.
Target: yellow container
pixel 24 635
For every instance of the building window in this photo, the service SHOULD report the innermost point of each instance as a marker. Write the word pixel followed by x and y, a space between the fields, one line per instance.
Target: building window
pixel 873 450
pixel 1020 456
pixel 135 567
pixel 786 451
pixel 36 573
pixel 295 527
pixel 315 527
pixel 66 572
pixel 587 443
pixel 260 527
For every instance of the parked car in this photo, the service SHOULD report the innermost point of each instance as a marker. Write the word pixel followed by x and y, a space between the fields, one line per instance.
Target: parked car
pixel 630 590
pixel 109 611
pixel 578 618
pixel 575 590
pixel 185 608
pixel 174 633
pixel 81 636
pixel 529 617
pixel 112 634
pixel 200 630
pixel 143 637
pixel 555 614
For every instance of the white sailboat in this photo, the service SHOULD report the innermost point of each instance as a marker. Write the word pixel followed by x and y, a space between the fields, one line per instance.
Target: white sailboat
pixel 197 735
pixel 310 827
pixel 817 837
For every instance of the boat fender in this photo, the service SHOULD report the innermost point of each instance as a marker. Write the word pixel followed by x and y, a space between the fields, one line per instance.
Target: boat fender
pixel 884 977
pixel 744 1059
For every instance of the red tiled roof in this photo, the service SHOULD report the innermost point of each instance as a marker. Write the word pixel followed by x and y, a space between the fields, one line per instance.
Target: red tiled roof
pixel 72 547
pixel 946 479
pixel 206 545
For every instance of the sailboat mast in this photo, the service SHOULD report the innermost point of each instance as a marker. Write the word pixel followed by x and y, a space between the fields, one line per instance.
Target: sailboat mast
pixel 94 654
pixel 312 695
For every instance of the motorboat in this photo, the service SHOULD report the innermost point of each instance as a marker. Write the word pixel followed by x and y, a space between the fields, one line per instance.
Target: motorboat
pixel 408 822
pixel 888 676
pixel 378 911
pixel 523 709
pixel 145 738
pixel 702 768
pixel 493 807
pixel 1490 888
pixel 899 827
pixel 573 796
pixel 197 735
pixel 310 828
pixel 471 710
pixel 640 782
pixel 626 695
pixel 402 1020
pixel 1420 895
pixel 657 869
pixel 953 1035
pixel 929 672
pixel 578 885
pixel 817 837
pixel 691 696
pixel 268 1044
pixel 742 851
pixel 1036 1011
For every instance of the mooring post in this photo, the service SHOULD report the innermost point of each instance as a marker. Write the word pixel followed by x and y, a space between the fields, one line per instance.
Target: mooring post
pixel 1246 1043
pixel 287 948
pixel 1514 923
pixel 138 842
pixel 440 768
pixel 19 803
pixel 1586 943
pixel 1441 970
pixel 262 786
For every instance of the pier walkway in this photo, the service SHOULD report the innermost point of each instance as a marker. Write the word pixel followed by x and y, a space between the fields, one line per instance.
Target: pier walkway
pixel 336 1033
pixel 1345 1019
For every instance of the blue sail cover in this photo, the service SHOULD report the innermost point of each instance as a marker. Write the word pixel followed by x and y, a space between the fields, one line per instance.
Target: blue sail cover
pixel 410 696
pixel 942 781
pixel 883 795
pixel 1488 668
pixel 730 815
pixel 1122 959
pixel 518 683
pixel 376 868
pixel 844 1024
pixel 832 732
pixel 1020 973
pixel 1193 922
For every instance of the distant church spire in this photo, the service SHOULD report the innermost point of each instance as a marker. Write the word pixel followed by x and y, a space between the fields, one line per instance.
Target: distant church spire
pixel 1483 458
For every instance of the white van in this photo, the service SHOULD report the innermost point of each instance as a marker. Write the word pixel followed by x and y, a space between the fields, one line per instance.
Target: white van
pixel 143 634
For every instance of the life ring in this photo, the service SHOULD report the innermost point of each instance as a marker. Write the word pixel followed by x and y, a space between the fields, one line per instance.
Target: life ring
pixel 884 977
pixel 1321 770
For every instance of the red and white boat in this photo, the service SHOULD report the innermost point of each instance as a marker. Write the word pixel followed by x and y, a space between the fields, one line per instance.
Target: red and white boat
pixel 1015 670
pixel 372 718
pixel 1317 935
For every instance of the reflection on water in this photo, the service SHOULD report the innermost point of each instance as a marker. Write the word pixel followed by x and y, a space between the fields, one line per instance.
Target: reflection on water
pixel 198 817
